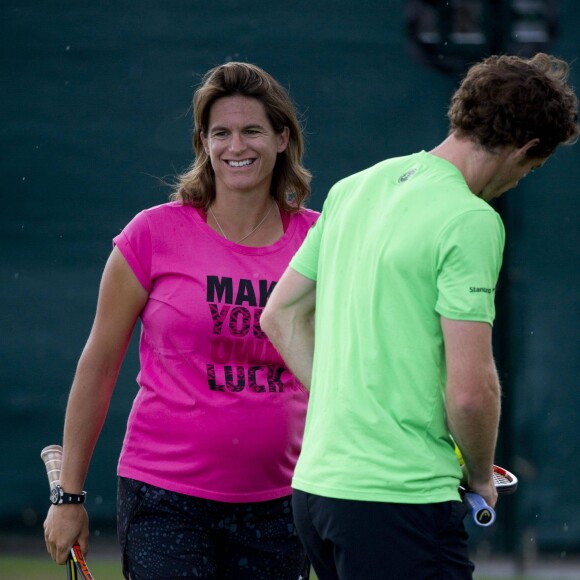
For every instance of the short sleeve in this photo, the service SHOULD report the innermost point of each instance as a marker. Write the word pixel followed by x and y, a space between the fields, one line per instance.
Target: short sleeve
pixel 305 261
pixel 468 262
pixel 134 242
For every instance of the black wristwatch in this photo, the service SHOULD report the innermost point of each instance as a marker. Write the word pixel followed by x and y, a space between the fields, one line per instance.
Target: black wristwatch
pixel 59 496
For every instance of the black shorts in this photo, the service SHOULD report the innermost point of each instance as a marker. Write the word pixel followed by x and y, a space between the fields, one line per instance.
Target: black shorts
pixel 169 535
pixel 367 540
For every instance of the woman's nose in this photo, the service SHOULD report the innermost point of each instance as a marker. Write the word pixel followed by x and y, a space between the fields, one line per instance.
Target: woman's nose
pixel 237 143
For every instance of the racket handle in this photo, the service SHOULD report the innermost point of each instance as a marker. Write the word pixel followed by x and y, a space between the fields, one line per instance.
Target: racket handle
pixel 76 566
pixel 482 514
pixel 52 458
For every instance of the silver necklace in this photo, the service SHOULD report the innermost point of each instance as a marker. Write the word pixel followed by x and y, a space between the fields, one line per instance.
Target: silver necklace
pixel 247 235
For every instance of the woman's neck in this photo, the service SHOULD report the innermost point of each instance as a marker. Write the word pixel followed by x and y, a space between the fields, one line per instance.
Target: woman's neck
pixel 246 221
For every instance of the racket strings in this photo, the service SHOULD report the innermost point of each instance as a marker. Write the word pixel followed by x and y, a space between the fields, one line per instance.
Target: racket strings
pixel 501 480
pixel 504 483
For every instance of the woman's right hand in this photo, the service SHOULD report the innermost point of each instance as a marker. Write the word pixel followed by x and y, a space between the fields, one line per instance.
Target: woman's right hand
pixel 65 525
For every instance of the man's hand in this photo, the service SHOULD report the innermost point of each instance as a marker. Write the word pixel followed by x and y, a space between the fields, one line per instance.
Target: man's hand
pixel 485 489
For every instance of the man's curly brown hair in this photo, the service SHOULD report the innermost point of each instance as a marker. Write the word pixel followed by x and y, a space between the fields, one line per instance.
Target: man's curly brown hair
pixel 509 100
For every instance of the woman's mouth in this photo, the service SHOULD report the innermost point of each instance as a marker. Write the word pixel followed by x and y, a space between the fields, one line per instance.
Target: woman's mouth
pixel 241 163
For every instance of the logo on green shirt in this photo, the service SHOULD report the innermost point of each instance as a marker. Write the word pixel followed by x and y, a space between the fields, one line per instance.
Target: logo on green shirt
pixel 407 175
pixel 474 289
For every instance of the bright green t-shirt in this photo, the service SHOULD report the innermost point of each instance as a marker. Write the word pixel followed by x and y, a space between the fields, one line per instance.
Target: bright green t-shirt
pixel 397 246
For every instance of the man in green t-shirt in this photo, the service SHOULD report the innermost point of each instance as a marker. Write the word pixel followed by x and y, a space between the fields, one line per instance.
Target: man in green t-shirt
pixel 398 277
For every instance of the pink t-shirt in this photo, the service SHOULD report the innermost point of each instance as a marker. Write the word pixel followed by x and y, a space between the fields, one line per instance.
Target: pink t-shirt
pixel 218 415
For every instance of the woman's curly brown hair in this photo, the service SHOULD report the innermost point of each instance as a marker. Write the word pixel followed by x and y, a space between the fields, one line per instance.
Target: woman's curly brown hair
pixel 509 100
pixel 290 181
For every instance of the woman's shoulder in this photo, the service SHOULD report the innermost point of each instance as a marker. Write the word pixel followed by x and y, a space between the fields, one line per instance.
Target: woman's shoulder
pixel 167 213
pixel 169 208
pixel 306 215
pixel 300 222
pixel 162 216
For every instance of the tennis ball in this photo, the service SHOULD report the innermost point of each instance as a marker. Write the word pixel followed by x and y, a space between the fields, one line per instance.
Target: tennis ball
pixel 459 456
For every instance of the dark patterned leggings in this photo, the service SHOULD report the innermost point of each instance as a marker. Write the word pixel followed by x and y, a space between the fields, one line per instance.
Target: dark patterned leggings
pixel 169 535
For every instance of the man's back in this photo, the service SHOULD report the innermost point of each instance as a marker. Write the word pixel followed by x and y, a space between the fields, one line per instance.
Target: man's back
pixel 400 244
pixel 386 312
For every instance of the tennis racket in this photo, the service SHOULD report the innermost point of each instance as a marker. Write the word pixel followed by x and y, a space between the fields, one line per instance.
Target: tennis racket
pixel 505 484
pixel 76 566
pixel 482 514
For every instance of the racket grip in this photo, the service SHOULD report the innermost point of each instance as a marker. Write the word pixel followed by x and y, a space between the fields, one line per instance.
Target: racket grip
pixel 482 514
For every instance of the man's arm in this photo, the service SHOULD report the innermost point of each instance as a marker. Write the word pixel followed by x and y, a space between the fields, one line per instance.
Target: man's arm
pixel 473 399
pixel 288 320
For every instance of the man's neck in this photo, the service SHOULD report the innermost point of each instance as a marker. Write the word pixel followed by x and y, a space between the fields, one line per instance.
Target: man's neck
pixel 475 164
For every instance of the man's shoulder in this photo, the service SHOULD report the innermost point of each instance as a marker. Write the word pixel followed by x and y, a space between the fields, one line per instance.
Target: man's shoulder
pixel 381 169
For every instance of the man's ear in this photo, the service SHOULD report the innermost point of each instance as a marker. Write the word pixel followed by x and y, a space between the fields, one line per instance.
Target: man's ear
pixel 522 151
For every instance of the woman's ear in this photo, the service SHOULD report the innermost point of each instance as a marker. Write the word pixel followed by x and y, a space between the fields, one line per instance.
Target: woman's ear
pixel 204 141
pixel 283 139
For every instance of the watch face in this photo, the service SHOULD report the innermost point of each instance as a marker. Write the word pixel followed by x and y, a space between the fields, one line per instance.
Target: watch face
pixel 54 495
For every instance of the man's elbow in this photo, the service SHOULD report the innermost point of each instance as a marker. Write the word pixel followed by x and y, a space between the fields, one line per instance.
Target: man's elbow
pixel 470 396
pixel 269 320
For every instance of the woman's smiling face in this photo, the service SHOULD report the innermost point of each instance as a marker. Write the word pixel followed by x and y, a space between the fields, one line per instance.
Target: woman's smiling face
pixel 242 145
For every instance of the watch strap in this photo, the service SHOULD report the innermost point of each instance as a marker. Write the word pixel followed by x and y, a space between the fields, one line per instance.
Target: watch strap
pixel 58 496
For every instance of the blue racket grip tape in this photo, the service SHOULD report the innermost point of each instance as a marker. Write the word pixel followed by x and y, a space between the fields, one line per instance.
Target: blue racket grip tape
pixel 482 514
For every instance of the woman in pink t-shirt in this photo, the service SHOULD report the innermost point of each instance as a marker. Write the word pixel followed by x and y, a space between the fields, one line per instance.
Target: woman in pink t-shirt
pixel 216 427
